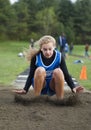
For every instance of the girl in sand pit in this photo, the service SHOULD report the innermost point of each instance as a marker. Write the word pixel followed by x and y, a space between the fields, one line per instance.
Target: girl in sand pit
pixel 48 71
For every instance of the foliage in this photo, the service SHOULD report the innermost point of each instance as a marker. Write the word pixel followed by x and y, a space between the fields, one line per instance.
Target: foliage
pixel 82 20
pixel 34 18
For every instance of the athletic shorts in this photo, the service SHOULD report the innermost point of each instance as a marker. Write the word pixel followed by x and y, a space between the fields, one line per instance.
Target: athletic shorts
pixel 46 90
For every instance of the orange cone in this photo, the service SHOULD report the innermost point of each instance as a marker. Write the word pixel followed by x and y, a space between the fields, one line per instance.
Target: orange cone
pixel 83 74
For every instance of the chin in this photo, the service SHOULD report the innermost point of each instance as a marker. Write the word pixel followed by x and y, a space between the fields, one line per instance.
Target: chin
pixel 48 57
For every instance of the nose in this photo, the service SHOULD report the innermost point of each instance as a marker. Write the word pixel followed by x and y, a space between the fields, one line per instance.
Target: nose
pixel 47 51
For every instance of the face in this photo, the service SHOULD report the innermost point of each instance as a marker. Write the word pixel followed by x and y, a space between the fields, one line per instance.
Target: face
pixel 47 49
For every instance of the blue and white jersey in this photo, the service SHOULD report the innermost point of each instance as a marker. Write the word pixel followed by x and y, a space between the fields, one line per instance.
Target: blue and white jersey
pixel 49 69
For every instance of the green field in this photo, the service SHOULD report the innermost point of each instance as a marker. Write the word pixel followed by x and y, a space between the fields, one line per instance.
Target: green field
pixel 75 69
pixel 11 65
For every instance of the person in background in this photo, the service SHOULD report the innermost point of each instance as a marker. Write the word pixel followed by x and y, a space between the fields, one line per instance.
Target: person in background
pixel 62 42
pixel 86 50
pixel 66 49
pixel 71 47
pixel 48 71
pixel 32 42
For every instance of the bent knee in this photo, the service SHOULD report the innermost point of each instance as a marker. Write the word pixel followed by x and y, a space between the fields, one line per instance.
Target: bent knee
pixel 58 72
pixel 40 71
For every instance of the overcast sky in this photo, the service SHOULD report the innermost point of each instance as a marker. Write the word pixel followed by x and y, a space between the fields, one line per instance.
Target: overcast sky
pixel 12 1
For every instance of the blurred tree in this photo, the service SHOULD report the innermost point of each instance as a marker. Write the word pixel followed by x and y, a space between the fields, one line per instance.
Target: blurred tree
pixel 21 10
pixel 27 19
pixel 7 19
pixel 82 20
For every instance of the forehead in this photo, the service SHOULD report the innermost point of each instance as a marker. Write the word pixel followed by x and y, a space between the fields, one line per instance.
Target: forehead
pixel 47 45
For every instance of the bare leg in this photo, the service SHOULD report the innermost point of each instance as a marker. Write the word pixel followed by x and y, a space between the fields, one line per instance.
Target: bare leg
pixel 39 80
pixel 57 83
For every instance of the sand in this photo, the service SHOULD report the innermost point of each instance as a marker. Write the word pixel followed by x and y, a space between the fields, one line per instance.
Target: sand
pixel 25 112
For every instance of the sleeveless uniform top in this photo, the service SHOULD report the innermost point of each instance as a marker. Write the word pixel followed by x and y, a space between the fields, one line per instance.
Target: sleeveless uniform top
pixel 49 69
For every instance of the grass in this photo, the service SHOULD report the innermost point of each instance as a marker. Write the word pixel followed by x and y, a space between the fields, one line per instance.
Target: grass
pixel 11 65
pixel 75 69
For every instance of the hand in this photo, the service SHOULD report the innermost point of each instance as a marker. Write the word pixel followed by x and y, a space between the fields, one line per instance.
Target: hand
pixel 19 91
pixel 78 89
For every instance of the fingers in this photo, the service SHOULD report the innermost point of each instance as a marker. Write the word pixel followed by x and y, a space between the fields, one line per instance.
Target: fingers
pixel 19 91
pixel 78 89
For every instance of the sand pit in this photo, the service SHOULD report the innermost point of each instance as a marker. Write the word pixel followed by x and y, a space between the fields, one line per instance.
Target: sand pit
pixel 26 112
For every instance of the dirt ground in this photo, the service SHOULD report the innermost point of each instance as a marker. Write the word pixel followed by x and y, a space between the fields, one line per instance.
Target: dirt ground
pixel 44 113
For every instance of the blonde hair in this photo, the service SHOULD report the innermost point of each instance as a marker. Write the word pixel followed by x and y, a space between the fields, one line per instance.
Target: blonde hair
pixel 46 39
pixel 38 44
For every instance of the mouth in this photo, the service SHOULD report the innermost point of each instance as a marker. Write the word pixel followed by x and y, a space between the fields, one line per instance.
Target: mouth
pixel 48 56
